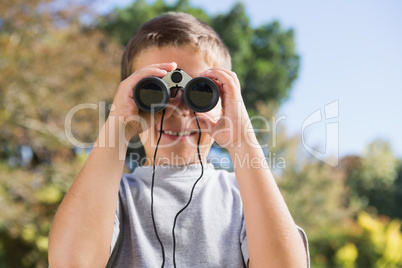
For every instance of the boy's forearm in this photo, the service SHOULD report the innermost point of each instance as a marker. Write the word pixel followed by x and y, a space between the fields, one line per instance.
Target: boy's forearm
pixel 272 237
pixel 83 226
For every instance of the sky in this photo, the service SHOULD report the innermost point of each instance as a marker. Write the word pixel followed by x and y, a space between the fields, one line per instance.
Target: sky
pixel 350 73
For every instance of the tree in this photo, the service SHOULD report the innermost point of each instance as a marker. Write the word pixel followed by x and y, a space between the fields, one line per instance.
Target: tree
pixel 264 58
pixel 49 63
pixel 373 179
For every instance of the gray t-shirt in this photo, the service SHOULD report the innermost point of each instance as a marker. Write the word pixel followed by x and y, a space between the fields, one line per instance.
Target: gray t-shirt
pixel 210 232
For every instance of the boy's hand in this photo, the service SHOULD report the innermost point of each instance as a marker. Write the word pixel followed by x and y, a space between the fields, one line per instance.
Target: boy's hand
pixel 234 125
pixel 124 107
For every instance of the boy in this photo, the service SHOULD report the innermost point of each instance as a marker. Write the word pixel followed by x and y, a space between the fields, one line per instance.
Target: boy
pixel 212 231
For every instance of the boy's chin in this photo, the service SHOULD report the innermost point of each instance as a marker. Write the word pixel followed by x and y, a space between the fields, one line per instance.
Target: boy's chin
pixel 185 142
pixel 180 145
pixel 183 145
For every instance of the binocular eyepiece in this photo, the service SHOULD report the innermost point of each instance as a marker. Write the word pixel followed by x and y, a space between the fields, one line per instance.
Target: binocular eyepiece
pixel 151 94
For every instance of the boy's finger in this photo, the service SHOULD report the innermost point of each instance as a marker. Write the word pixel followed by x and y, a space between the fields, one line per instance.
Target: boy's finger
pixel 135 77
pixel 157 70
pixel 231 74
pixel 228 90
pixel 170 66
pixel 228 82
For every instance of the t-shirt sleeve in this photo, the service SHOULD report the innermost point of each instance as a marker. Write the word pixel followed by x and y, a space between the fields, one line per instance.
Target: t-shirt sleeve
pixel 305 243
pixel 116 227
pixel 243 243
pixel 244 247
pixel 114 245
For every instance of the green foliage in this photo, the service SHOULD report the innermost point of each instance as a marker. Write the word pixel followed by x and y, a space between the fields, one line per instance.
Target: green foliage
pixel 373 179
pixel 385 237
pixel 347 255
pixel 264 58
pixel 326 201
pixel 49 63
pixel 274 64
pixel 28 202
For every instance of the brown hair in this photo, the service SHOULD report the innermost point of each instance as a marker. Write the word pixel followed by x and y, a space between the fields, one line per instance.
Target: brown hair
pixel 176 29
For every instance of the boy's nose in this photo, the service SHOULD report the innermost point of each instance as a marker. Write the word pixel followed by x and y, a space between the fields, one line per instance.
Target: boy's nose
pixel 182 108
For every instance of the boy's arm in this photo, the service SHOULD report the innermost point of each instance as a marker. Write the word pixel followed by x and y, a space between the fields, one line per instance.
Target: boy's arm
pixel 82 229
pixel 272 237
pixel 83 226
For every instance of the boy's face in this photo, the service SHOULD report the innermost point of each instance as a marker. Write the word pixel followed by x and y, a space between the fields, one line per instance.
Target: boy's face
pixel 178 145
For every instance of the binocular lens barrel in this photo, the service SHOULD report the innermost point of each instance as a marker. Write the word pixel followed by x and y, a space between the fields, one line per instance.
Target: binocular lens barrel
pixel 201 94
pixel 151 94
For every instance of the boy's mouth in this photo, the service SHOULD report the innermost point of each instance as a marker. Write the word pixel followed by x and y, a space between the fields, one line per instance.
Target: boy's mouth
pixel 178 134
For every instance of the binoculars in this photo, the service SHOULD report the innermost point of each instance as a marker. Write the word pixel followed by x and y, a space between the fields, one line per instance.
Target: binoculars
pixel 151 94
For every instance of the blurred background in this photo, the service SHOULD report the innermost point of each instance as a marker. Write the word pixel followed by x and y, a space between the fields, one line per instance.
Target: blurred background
pixel 294 59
